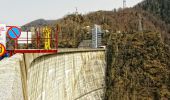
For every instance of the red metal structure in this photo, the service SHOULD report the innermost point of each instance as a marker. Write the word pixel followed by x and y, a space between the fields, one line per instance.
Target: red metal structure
pixel 38 42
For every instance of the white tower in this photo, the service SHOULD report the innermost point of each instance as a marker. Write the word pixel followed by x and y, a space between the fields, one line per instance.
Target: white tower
pixel 96 36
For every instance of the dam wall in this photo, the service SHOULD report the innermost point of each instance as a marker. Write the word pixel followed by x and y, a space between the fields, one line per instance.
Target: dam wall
pixel 11 87
pixel 67 75
pixel 71 76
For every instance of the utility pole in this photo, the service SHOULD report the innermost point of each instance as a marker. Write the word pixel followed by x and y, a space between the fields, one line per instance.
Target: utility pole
pixel 76 11
pixel 140 23
pixel 76 27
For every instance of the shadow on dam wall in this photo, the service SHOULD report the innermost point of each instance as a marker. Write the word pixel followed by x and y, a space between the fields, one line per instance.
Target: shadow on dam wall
pixel 63 76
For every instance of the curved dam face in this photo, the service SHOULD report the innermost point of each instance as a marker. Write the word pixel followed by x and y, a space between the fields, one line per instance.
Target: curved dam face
pixel 67 76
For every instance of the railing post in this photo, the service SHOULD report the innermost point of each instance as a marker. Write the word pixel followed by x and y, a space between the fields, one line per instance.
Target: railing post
pixel 27 39
pixel 39 37
pixel 51 41
pixel 16 44
pixel 57 30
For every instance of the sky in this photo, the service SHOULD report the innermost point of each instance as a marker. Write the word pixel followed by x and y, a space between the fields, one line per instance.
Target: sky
pixel 20 12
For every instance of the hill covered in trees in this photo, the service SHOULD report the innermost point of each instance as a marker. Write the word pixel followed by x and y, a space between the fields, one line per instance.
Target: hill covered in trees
pixel 159 8
pixel 138 67
pixel 40 22
pixel 73 27
pixel 154 16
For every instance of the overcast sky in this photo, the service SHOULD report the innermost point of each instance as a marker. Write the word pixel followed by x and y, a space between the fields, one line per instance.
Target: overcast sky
pixel 20 12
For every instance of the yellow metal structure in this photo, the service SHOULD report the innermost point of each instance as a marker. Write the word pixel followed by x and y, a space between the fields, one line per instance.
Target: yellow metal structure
pixel 47 33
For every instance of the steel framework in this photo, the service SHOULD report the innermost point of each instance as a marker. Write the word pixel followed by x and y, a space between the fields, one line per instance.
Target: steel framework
pixel 48 40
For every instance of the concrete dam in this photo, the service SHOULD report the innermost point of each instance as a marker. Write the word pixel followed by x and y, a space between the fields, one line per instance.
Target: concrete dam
pixel 67 75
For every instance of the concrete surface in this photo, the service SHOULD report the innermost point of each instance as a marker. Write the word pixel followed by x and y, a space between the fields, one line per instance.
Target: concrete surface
pixel 68 75
pixel 10 78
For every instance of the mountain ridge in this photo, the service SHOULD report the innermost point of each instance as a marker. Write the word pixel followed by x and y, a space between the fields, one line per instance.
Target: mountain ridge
pixel 124 20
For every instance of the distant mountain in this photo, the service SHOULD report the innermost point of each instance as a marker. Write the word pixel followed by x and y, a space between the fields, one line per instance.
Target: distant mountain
pixel 40 22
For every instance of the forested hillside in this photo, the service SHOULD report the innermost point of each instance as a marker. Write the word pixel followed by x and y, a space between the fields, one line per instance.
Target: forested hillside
pixel 138 67
pixel 160 8
pixel 73 27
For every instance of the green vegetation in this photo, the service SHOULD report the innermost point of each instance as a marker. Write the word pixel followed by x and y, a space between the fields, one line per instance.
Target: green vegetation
pixel 138 67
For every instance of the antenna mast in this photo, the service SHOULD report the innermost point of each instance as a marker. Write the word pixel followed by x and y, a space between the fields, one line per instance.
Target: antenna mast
pixel 140 23
pixel 76 11
pixel 124 4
